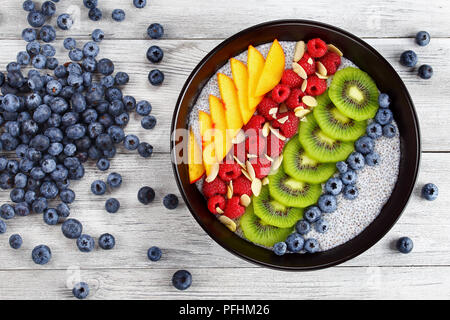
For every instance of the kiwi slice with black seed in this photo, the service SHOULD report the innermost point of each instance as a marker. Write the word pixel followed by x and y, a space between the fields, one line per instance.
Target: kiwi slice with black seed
pixel 273 212
pixel 319 145
pixel 336 124
pixel 291 192
pixel 258 231
pixel 300 166
pixel 354 93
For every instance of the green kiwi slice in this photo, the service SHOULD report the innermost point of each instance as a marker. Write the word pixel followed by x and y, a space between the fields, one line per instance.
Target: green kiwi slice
pixel 354 93
pixel 334 123
pixel 258 231
pixel 299 166
pixel 319 145
pixel 273 212
pixel 291 192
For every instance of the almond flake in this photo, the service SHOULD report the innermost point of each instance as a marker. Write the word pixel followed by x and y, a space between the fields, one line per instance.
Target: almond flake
pixel 333 48
pixel 310 61
pixel 265 181
pixel 273 112
pixel 298 69
pixel 277 134
pixel 240 137
pixel 245 200
pixel 230 224
pixel 245 173
pixel 251 171
pixel 304 119
pixel 219 211
pixel 256 187
pixel 283 120
pixel 304 85
pixel 299 50
pixel 268 158
pixel 321 68
pixel 266 129
pixel 310 101
pixel 229 192
pixel 301 113
pixel 239 162
pixel 321 76
pixel 213 174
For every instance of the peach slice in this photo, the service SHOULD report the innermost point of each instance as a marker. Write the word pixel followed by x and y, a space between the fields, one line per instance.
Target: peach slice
pixel 207 133
pixel 219 122
pixel 255 65
pixel 195 164
pixel 273 69
pixel 240 78
pixel 230 100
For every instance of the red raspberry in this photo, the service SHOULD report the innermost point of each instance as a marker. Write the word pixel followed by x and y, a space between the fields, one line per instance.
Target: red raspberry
pixel 256 122
pixel 316 47
pixel 331 61
pixel 295 99
pixel 264 107
pixel 310 68
pixel 229 171
pixel 241 185
pixel 280 93
pixel 291 79
pixel 262 166
pixel 274 146
pixel 233 208
pixel 217 186
pixel 255 144
pixel 216 201
pixel 290 126
pixel 315 86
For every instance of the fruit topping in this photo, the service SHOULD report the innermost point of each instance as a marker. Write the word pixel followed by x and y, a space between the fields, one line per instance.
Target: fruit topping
pixel 331 61
pixel 217 186
pixel 216 204
pixel 268 108
pixel 229 171
pixel 315 86
pixel 280 93
pixel 233 208
pixel 295 99
pixel 287 122
pixel 242 185
pixel 255 144
pixel 291 79
pixel 316 47
pixel 307 63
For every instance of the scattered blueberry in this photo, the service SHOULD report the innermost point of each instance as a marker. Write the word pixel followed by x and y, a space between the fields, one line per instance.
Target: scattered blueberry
pixel 303 227
pixel 51 216
pixel 170 201
pixel 372 159
pixel 103 164
pixel 156 77
pixel 154 253
pixel 312 214
pixel 430 191
pixel 322 226
pixel 154 54
pixel 98 187
pixel 356 161
pixel 280 248
pixel 311 245
pixel 364 145
pixel 95 14
pixel 112 205
pixel 114 180
pixel 81 289
pixel 98 35
pixel 333 186
pixel 85 243
pixel 146 195
pixel 148 122
pixel 350 192
pixel 69 43
pixel 131 142
pixel 408 58
pixel 15 241
pixel 64 21
pixel 2 227
pixel 41 254
pixel 384 100
pixel 118 15
pixel 106 241
pixel 182 279
pixel 90 4
pixel 295 242
pixel 72 228
pixel 425 71
pixel 405 245
pixel 139 3
pixel 155 31
pixel 327 203
pixel 374 130
pixel 422 38
pixel 145 149
pixel 143 108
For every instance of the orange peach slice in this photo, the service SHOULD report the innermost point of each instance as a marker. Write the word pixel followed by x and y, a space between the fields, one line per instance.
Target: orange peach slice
pixel 273 69
pixel 219 122
pixel 255 65
pixel 240 78
pixel 230 100
pixel 195 164
pixel 207 133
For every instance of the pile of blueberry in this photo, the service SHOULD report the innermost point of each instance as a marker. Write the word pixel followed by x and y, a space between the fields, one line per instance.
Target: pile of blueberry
pixel 409 57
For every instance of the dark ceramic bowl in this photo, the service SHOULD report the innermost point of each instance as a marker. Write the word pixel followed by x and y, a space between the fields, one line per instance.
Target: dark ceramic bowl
pixel 387 81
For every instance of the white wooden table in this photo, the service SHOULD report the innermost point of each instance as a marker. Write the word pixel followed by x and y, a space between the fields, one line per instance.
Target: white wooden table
pixel 192 29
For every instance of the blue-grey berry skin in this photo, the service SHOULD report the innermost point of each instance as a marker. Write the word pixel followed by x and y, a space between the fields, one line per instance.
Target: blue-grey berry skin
pixel 364 145
pixel 295 242
pixel 146 195
pixel 156 77
pixel 356 161
pixel 155 31
pixel 36 19
pixel 384 100
pixel 322 226
pixel 139 3
pixel 334 186
pixel 114 180
pixel 170 201
pixel 404 245
pixel 423 38
pixel 280 248
pixel 51 216
pixel 303 227
pixel 41 254
pixel 155 54
pixel 103 164
pixel 85 243
pixel 430 191
pixel 112 205
pixel 425 71
pixel 64 21
pixel 63 210
pixel 131 142
pixel 98 187
pixel 106 241
pixel 182 279
pixel 95 14
pixel 72 228
pixel 15 241
pixel 372 159
pixel 81 290
pixel 143 108
pixel 98 35
pixel 145 150
pixel 148 122
pixel 350 192
pixel 2 227
pixel 312 214
pixel 154 253
pixel 118 15
pixel 374 130
pixel 408 58
pixel 327 203
pixel 7 211
pixel 311 245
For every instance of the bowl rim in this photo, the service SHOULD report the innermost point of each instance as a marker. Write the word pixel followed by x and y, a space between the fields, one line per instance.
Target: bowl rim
pixel 344 33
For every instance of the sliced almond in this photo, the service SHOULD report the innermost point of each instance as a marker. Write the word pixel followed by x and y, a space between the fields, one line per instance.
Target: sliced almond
pixel 245 173
pixel 321 68
pixel 265 181
pixel 299 50
pixel 283 120
pixel 304 119
pixel 251 171
pixel 266 129
pixel 304 85
pixel 245 200
pixel 273 112
pixel 230 190
pixel 298 69
pixel 302 113
pixel 283 108
pixel 268 158
pixel 230 224
pixel 219 211
pixel 277 134
pixel 321 76
pixel 276 164
pixel 239 162
pixel 251 156
pixel 310 101
pixel 214 173
pixel 240 137
pixel 333 48
pixel 310 61
pixel 256 187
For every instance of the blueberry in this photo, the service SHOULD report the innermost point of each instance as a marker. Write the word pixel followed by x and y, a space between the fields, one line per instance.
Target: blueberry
pixel 105 67
pixel 182 279
pixel 7 211
pixel 22 209
pixel 404 245
pixel 103 164
pixel 95 14
pixel 145 149
pixel 112 205
pixel 28 5
pixel 41 254
pixel 2 227
pixel 70 43
pixel 425 71
pixel 430 191
pixel 356 161
pixel 372 159
pixel 131 142
pixel 52 63
pixel 364 145
pixel 121 78
pixel 15 241
pixel 311 245
pixel 156 77
pixel 51 216
pixel 81 289
pixel 350 192
pixel 23 58
pixel 10 103
pixel 143 108
pixel 98 187
pixel 33 47
pixel 17 195
pixel 20 180
pixel 146 195
pixel 39 61
pixel 422 38
pixel 389 130
pixel 47 33
pixel 327 203
pixel 154 54
pixel 280 248
pixel 75 55
pixel 63 210
pixel 118 15
pixel 36 19
pixel 303 227
pixel 67 196
pixel 70 149
pixel 48 8
pixel 90 4
pixel 312 214
pixel 322 226
pixel 106 241
pixel 170 201
pixel 91 49
pixel 154 253
pixel 333 186
pixel 155 31
pixel 29 34
pixel 64 21
pixel 374 130
pixel 53 88
pixel 384 100
pixel 148 122
pixel 98 35
pixel 30 197
pixel 49 190
pixel 139 3
pixel 72 228
pixel 295 242
pixel 408 58
pixel 42 113
pixel 85 243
